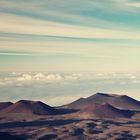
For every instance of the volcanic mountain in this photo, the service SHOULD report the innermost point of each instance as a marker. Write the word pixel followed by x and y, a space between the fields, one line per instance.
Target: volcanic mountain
pixel 31 107
pixel 105 111
pixel 4 105
pixel 117 101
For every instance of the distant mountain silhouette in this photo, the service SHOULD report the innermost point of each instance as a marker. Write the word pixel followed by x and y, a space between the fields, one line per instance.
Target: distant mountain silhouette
pixel 105 111
pixel 31 107
pixel 118 101
pixel 4 105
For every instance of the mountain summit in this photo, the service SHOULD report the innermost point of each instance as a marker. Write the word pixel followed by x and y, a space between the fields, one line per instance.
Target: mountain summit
pixel 31 107
pixel 117 101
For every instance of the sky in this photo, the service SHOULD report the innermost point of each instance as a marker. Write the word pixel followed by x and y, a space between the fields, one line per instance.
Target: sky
pixel 57 51
pixel 70 35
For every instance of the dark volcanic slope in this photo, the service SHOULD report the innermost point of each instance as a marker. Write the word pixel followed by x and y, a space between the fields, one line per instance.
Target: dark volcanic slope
pixel 6 136
pixel 118 101
pixel 32 107
pixel 105 111
pixel 4 105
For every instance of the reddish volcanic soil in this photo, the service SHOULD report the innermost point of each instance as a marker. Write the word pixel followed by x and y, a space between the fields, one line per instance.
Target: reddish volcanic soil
pixel 118 101
pixel 4 105
pixel 105 111
pixel 32 107
pixel 98 117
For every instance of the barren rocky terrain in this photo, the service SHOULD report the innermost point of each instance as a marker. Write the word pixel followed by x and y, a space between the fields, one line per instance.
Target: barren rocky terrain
pixel 99 117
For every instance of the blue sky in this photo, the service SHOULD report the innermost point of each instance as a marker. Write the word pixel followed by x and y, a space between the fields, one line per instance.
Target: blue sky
pixel 76 35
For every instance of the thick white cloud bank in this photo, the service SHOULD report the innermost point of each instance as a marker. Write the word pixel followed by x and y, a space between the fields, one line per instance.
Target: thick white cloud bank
pixel 46 77
pixel 61 88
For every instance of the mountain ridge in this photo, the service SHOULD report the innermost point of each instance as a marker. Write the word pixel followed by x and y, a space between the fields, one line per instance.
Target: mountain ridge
pixel 118 101
pixel 99 104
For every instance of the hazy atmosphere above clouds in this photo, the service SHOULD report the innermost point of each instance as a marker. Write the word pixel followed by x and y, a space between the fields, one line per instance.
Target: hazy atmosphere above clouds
pixel 76 35
pixel 59 50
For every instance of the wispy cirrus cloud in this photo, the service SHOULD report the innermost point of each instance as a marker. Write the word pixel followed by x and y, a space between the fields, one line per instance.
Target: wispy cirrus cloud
pixel 17 24
pixel 85 31
pixel 134 4
pixel 16 54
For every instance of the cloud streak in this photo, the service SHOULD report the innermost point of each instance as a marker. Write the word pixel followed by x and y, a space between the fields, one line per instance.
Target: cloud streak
pixel 79 32
pixel 134 4
pixel 16 54
pixel 17 24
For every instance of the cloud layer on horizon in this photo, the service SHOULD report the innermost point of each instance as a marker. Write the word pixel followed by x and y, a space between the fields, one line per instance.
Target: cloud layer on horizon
pixel 61 88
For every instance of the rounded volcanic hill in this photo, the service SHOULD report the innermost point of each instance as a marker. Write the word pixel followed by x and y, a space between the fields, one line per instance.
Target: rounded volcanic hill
pixel 118 101
pixel 31 107
pixel 4 105
pixel 105 111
